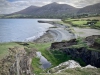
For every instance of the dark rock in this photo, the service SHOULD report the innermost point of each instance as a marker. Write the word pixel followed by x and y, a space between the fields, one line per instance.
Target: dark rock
pixel 88 56
pixel 91 57
pixel 58 45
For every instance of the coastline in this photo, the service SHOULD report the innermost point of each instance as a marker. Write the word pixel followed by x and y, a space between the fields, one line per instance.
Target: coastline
pixel 57 33
pixel 61 32
pixel 46 37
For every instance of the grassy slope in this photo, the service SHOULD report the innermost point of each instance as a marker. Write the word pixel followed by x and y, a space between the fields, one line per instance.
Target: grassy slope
pixel 54 57
pixel 78 71
pixel 4 51
pixel 4 48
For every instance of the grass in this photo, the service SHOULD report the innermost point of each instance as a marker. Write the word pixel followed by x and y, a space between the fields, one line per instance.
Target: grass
pixel 51 56
pixel 97 25
pixel 59 57
pixel 4 47
pixel 79 22
pixel 55 57
pixel 42 47
pixel 77 71
pixel 97 41
pixel 36 65
pixel 82 22
pixel 4 51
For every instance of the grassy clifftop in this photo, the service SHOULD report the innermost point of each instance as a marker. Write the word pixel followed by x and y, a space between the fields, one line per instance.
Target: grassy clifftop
pixel 55 56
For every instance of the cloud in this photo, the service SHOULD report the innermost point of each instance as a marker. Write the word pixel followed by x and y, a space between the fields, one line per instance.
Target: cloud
pixel 9 6
pixel 83 3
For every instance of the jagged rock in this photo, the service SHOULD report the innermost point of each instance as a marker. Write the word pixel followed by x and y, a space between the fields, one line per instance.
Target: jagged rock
pixel 89 66
pixel 68 65
pixel 65 65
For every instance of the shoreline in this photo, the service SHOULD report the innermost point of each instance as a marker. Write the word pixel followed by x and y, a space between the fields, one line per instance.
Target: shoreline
pixel 61 32
pixel 57 33
pixel 46 37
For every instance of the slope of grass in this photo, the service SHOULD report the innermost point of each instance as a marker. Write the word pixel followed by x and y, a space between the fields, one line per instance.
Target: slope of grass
pixel 97 41
pixel 97 25
pixel 77 71
pixel 4 48
pixel 36 66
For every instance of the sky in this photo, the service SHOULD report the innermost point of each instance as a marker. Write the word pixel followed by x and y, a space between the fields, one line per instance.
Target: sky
pixel 10 6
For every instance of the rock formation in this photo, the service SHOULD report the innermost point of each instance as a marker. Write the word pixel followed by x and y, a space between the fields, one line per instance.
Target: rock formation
pixel 90 54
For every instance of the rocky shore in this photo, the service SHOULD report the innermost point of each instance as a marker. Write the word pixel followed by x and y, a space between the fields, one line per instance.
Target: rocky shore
pixel 60 32
pixel 57 33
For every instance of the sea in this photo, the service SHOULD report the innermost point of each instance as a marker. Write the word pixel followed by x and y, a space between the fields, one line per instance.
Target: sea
pixel 22 30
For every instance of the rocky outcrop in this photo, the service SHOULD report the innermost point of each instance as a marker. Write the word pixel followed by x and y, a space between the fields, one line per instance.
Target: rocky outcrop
pixel 18 62
pixel 58 45
pixel 88 56
pixel 86 53
pixel 91 39
pixel 65 65
pixel 68 65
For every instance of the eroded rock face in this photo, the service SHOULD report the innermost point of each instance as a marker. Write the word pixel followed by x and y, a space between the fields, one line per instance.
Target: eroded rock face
pixel 18 62
pixel 91 39
pixel 91 57
pixel 58 45
pixel 88 56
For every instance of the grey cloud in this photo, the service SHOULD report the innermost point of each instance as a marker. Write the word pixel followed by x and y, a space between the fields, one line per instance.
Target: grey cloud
pixel 83 3
pixel 9 7
pixel 59 0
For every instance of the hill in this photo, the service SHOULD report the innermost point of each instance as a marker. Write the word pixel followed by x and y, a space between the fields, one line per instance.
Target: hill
pixel 92 9
pixel 27 11
pixel 54 10
pixel 50 10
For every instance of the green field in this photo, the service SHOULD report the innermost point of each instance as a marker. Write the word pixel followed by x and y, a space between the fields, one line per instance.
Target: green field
pixel 82 22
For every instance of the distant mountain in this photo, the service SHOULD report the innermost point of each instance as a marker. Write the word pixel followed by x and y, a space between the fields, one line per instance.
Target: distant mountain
pixel 50 9
pixel 91 9
pixel 55 10
pixel 27 11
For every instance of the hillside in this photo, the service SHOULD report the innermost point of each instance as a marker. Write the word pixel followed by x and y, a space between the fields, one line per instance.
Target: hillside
pixel 50 10
pixel 27 11
pixel 54 10
pixel 92 9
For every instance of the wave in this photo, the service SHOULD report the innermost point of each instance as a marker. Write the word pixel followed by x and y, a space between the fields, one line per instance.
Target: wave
pixel 39 34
